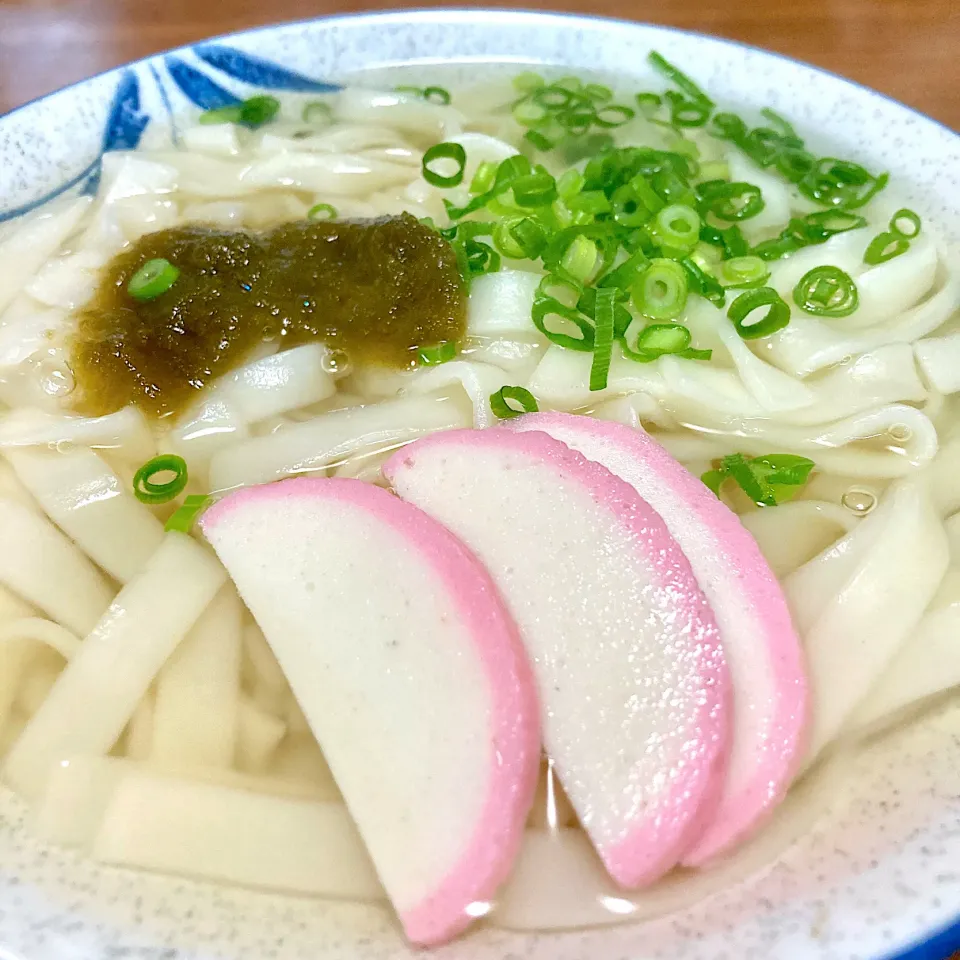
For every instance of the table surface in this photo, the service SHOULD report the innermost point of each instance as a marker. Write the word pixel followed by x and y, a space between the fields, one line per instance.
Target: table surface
pixel 904 48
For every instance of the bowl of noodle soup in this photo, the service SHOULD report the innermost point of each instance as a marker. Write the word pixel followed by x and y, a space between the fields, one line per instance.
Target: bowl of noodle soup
pixel 781 318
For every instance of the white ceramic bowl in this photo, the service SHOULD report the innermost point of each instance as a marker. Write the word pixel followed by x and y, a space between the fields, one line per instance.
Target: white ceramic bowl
pixel 878 876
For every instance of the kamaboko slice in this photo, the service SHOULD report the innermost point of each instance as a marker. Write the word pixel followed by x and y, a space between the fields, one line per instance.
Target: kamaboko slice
pixel 624 646
pixel 761 645
pixel 411 675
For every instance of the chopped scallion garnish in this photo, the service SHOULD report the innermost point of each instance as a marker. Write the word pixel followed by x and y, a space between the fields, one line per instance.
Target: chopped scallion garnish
pixel 528 82
pixel 767 480
pixel 603 319
pixel 827 292
pixel 677 227
pixel 661 290
pixel 186 515
pixel 658 340
pixel 745 306
pixel 146 491
pixel 501 402
pixel 438 95
pixel 252 113
pixel 678 78
pixel 731 201
pixel 904 226
pixel 580 259
pixel 749 271
pixel 322 211
pixel 443 153
pixel 435 355
pixel 885 246
pixel 317 112
pixel 154 278
pixel 905 223
pixel 548 310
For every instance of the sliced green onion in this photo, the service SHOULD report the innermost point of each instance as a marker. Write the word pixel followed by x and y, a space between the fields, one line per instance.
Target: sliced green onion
pixel 439 95
pixel 540 140
pixel 678 227
pixel 554 97
pixel 146 491
pixel 577 121
pixel 713 479
pixel 715 170
pixel 728 126
pixel 184 517
pixel 546 307
pixel 535 190
pixel 687 113
pixel 569 184
pixel 500 402
pixel 406 88
pixel 231 114
pixel 912 223
pixel 481 258
pixel 505 242
pixel 691 353
pixel 777 248
pixel 784 468
pixel 795 164
pixel 155 277
pixel 823 224
pixel 733 242
pixel 259 110
pixel 649 103
pixel 529 236
pixel 702 283
pixel 598 92
pixel 743 272
pixel 661 291
pixel 322 211
pixel 635 202
pixel 624 276
pixel 440 353
pixel 753 485
pixel 580 260
pixel 827 292
pixel 762 145
pixel 885 246
pixel 841 183
pixel 614 115
pixel 768 480
pixel 528 82
pixel 603 337
pixel 484 178
pixel 561 288
pixel 442 152
pixel 592 202
pixel 786 130
pixel 776 317
pixel 317 112
pixel 673 188
pixel 678 78
pixel 658 340
pixel 528 113
pixel 732 201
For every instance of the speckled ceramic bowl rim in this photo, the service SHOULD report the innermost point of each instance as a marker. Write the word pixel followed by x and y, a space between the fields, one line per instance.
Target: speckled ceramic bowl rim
pixel 940 944
pixel 388 16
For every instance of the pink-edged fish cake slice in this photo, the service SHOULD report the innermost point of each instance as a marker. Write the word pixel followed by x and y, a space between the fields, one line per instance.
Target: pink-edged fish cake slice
pixel 762 647
pixel 623 644
pixel 411 675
